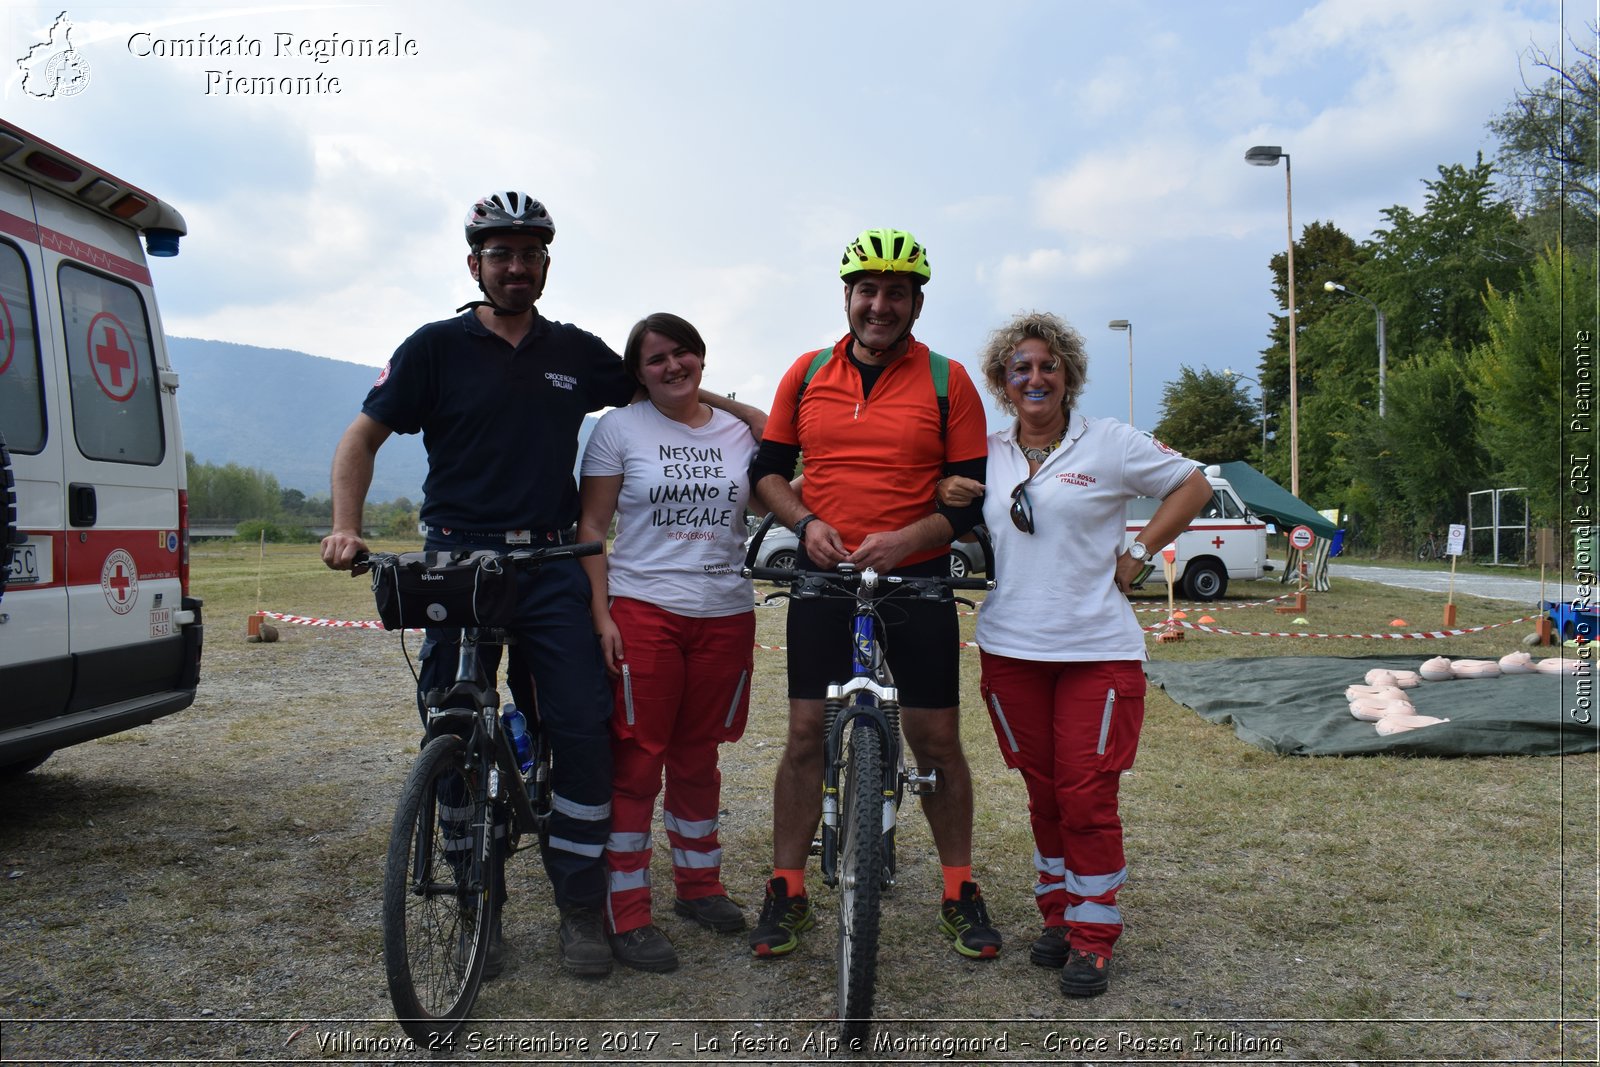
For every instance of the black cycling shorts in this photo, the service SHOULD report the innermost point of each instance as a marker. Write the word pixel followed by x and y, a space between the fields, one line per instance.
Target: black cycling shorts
pixel 920 639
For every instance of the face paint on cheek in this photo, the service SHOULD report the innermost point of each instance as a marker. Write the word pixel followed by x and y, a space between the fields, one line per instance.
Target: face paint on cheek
pixel 1018 377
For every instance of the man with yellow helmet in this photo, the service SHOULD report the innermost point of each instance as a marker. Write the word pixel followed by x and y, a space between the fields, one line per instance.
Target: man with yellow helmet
pixel 877 436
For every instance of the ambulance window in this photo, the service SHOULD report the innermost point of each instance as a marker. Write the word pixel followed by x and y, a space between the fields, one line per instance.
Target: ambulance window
pixel 1222 506
pixel 116 407
pixel 21 396
pixel 1141 508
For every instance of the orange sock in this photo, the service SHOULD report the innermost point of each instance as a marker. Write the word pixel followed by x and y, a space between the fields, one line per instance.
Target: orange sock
pixel 953 877
pixel 794 881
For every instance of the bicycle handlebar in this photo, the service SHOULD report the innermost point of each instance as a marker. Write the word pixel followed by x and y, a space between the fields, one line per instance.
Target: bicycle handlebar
pixel 848 576
pixel 542 554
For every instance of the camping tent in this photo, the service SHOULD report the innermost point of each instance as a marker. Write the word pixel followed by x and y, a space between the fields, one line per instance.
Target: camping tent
pixel 1277 505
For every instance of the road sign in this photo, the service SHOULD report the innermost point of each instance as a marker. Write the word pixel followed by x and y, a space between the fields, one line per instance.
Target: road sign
pixel 1457 541
pixel 1301 538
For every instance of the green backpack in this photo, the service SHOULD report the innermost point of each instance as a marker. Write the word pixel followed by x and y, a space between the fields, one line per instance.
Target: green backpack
pixel 937 364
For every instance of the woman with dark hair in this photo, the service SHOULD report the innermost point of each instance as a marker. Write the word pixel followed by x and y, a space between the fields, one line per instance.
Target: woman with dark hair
pixel 676 624
pixel 1059 645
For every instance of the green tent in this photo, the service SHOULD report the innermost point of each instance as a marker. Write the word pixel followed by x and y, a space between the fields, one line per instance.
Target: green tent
pixel 1273 502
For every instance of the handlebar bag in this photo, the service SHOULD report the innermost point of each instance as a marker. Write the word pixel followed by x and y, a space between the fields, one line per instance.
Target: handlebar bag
pixel 421 589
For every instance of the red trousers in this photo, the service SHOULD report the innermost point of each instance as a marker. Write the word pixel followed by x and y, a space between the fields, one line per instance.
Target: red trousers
pixel 1071 729
pixel 684 689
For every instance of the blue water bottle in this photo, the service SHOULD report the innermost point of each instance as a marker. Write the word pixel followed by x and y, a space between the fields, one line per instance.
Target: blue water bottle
pixel 516 724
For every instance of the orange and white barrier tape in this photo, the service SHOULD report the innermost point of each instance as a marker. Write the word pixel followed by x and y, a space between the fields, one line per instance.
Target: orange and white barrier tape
pixel 1213 606
pixel 1430 635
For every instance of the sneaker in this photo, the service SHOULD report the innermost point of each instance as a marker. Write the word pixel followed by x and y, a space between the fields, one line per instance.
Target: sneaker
pixel 1084 974
pixel 583 943
pixel 967 922
pixel 645 948
pixel 714 913
pixel 783 917
pixel 1050 950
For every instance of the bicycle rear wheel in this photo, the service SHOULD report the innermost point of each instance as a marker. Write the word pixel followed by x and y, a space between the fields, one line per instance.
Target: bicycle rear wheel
pixel 860 877
pixel 438 887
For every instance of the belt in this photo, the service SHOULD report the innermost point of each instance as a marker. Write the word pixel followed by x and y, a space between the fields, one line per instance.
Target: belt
pixel 502 537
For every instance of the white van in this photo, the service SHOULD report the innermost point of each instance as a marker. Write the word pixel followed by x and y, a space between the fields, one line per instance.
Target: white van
pixel 1224 542
pixel 98 632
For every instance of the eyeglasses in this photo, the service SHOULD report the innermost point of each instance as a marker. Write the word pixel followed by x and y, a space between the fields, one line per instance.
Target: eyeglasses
pixel 1021 509
pixel 502 257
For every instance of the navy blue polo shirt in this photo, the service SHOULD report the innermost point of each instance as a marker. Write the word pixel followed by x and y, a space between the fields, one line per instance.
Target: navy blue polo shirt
pixel 500 424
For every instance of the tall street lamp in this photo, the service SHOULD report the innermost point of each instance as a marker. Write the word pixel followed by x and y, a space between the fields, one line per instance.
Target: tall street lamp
pixel 1124 324
pixel 1383 348
pixel 1231 374
pixel 1268 156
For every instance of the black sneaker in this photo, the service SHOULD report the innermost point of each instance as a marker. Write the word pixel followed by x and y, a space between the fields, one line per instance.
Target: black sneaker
pixel 717 913
pixel 1050 950
pixel 583 943
pixel 966 921
pixel 645 948
pixel 783 917
pixel 1084 974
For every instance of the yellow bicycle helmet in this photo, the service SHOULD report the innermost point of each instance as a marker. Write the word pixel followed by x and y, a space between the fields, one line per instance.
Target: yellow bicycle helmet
pixel 884 250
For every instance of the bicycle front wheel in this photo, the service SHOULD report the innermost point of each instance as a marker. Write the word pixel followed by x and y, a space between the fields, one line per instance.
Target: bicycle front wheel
pixel 438 886
pixel 860 877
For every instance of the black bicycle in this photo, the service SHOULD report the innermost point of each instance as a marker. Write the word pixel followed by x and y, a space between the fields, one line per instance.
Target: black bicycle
pixel 443 871
pixel 865 776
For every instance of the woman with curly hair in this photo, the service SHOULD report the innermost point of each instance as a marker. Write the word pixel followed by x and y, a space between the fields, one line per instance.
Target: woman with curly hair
pixel 1060 647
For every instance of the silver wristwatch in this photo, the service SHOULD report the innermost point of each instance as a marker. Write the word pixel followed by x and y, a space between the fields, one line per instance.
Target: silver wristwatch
pixel 1138 551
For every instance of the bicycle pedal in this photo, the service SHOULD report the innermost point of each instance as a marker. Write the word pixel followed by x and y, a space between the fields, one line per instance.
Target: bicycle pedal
pixel 816 846
pixel 920 783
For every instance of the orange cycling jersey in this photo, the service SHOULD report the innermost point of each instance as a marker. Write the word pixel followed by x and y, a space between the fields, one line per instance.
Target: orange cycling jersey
pixel 871 464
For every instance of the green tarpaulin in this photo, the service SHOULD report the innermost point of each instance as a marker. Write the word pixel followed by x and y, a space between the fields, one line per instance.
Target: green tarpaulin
pixel 1295 705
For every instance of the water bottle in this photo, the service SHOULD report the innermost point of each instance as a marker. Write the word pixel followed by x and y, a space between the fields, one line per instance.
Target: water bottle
pixel 516 724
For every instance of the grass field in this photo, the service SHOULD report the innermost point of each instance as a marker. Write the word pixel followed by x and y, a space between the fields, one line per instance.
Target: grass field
pixel 1341 910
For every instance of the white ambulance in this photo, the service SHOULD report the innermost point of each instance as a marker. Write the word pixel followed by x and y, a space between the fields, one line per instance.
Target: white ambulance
pixel 1224 542
pixel 98 632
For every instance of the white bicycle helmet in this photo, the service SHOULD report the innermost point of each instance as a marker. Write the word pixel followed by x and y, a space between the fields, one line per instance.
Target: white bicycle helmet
pixel 509 211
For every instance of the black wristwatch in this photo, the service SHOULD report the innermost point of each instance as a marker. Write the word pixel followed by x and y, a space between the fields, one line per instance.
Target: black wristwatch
pixel 800 527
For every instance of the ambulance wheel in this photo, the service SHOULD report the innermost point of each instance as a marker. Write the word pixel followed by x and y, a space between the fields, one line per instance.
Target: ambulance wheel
pixel 1204 579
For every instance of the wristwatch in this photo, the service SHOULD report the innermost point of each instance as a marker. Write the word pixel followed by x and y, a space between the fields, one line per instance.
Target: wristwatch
pixel 800 527
pixel 1138 551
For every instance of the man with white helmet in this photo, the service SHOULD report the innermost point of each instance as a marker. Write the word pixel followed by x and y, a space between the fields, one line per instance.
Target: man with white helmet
pixel 499 394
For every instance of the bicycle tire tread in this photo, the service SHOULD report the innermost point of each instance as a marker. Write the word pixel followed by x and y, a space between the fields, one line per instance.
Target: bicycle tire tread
pixel 861 889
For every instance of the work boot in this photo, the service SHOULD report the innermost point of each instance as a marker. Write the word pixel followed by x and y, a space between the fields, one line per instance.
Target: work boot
pixel 584 951
pixel 1084 974
pixel 645 948
pixel 1050 949
pixel 716 913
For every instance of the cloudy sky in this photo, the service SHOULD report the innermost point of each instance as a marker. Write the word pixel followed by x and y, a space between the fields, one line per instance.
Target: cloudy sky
pixel 712 158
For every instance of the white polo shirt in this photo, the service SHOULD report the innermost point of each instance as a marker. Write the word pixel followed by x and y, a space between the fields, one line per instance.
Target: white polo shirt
pixel 1055 596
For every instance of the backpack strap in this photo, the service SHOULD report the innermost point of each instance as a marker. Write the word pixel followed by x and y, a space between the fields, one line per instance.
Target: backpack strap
pixel 939 367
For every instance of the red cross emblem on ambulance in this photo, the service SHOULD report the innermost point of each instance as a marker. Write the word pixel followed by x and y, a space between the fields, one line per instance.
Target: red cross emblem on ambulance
pixel 119 581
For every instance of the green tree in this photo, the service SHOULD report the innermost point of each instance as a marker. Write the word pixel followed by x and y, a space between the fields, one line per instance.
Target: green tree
pixel 1205 416
pixel 1323 253
pixel 1429 271
pixel 1415 467
pixel 1550 147
pixel 231 492
pixel 1516 376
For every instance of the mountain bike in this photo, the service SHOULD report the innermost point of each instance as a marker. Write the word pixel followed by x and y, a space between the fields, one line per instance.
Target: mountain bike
pixel 865 775
pixel 1430 548
pixel 444 868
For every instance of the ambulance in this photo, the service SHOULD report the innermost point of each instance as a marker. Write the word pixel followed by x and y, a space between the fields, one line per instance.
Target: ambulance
pixel 98 632
pixel 1225 542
